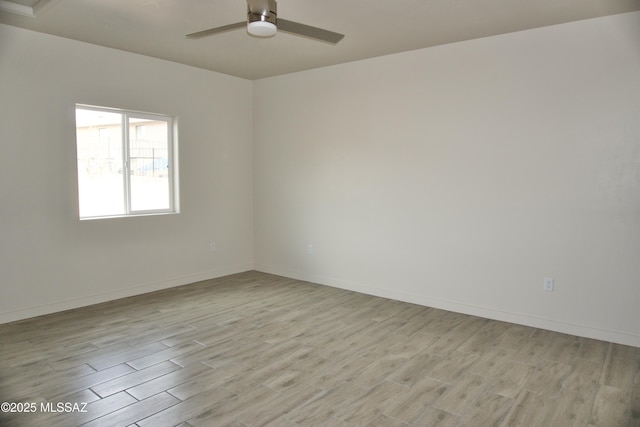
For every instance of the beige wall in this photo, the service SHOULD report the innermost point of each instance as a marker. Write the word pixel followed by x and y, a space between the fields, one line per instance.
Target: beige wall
pixel 460 176
pixel 49 260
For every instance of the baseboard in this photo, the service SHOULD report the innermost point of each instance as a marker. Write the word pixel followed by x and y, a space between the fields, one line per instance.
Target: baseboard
pixel 485 312
pixel 458 307
pixel 144 288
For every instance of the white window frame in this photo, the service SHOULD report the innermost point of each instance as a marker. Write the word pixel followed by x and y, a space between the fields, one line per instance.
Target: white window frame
pixel 172 156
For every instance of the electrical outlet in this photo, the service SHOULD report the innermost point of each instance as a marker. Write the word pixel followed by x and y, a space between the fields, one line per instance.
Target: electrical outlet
pixel 212 247
pixel 548 284
pixel 310 249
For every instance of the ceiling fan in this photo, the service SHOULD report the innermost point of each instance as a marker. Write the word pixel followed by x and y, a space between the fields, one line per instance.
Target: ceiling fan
pixel 262 21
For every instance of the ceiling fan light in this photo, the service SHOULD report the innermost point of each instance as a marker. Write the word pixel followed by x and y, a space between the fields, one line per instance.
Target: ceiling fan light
pixel 261 28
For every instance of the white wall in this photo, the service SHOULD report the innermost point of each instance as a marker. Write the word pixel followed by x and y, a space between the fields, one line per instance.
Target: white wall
pixel 455 177
pixel 460 176
pixel 49 260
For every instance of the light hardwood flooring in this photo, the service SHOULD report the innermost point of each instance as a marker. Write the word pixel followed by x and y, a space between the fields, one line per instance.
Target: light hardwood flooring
pixel 255 349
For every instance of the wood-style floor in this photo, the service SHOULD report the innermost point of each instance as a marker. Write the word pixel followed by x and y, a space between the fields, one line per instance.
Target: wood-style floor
pixel 254 349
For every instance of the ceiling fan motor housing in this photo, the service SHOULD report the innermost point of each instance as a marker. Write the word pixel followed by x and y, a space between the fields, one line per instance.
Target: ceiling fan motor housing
pixel 262 11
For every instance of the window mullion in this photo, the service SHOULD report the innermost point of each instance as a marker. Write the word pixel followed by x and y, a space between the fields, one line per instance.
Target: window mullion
pixel 127 162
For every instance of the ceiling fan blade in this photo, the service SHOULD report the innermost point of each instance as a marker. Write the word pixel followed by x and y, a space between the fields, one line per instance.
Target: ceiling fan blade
pixel 309 31
pixel 217 30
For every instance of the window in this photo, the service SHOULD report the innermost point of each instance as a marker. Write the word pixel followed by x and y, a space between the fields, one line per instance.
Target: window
pixel 126 163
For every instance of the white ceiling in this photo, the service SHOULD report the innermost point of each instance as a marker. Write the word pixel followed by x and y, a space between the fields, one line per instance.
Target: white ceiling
pixel 372 28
